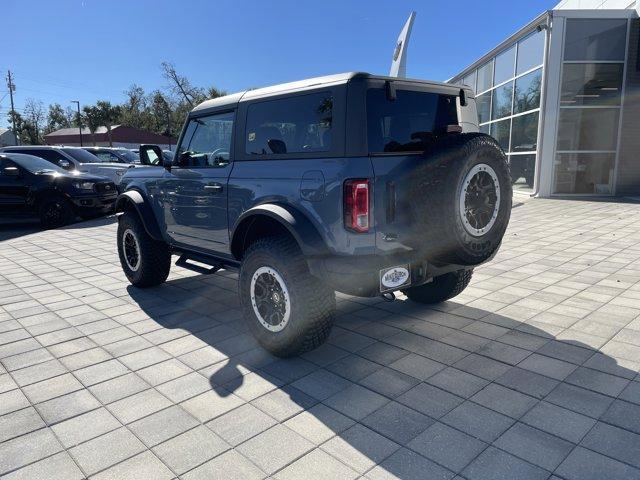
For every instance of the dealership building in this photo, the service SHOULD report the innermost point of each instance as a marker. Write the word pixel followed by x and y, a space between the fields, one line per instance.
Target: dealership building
pixel 562 96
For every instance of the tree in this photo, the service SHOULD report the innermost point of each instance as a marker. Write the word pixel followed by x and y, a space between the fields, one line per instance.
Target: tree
pixel 180 85
pixel 108 115
pixel 35 115
pixel 24 131
pixel 135 111
pixel 56 118
pixel 91 118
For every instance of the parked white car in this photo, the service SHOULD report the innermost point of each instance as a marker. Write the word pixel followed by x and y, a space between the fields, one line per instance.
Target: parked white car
pixel 74 158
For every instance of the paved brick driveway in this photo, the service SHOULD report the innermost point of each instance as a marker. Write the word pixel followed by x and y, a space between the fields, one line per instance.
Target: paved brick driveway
pixel 532 372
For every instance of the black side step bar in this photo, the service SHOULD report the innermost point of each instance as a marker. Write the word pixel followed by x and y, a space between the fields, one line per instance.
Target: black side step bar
pixel 183 262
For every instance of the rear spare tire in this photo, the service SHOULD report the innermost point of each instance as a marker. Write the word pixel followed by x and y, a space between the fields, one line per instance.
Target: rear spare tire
pixel 461 196
pixel 287 310
pixel 441 288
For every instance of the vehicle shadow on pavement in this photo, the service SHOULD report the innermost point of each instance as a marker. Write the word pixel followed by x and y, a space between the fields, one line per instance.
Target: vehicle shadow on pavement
pixel 403 390
pixel 15 228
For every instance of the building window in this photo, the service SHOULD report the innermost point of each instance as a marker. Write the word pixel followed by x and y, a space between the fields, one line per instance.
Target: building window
pixel 584 173
pixel 527 93
pixel 485 77
pixel 530 52
pixel 483 104
pixel 590 105
pixel 470 80
pixel 594 129
pixel 524 133
pixel 595 39
pixel 522 169
pixel 591 84
pixel 505 64
pixel 502 98
pixel 501 131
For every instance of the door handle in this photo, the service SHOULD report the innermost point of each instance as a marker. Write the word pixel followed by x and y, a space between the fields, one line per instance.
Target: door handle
pixel 214 187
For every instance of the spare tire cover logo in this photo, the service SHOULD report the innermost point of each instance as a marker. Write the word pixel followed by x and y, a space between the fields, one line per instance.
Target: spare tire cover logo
pixel 395 277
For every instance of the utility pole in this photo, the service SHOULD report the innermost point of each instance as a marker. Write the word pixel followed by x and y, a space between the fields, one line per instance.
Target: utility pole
pixel 12 88
pixel 77 102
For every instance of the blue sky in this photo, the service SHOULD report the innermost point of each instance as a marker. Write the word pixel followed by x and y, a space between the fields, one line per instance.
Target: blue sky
pixel 86 50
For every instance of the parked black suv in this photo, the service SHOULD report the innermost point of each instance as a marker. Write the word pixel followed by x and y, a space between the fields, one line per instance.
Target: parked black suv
pixel 30 185
pixel 357 183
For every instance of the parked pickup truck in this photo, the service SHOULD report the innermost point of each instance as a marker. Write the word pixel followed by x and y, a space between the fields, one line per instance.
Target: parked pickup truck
pixel 356 183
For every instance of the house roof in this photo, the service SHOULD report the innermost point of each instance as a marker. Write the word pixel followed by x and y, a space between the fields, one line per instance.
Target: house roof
pixel 85 131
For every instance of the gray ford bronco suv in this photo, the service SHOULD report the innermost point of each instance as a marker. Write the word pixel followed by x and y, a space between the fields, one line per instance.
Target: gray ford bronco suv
pixel 354 183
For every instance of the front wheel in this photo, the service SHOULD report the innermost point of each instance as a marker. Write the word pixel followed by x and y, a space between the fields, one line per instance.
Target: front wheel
pixel 441 288
pixel 287 309
pixel 55 213
pixel 146 262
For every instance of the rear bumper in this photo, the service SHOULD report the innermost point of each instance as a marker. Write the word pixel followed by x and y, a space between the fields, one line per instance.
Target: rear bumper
pixel 360 275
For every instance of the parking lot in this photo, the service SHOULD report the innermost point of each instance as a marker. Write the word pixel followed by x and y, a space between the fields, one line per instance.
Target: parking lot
pixel 531 373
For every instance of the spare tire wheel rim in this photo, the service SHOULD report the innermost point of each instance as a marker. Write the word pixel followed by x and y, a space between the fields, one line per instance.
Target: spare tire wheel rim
pixel 479 200
pixel 131 250
pixel 270 299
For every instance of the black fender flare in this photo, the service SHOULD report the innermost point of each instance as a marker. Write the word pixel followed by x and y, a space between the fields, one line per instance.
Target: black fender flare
pixel 138 201
pixel 292 219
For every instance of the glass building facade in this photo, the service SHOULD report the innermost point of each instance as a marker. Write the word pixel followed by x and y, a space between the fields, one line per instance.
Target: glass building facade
pixel 553 96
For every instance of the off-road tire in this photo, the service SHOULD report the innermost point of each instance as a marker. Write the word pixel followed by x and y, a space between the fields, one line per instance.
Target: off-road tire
pixel 64 215
pixel 154 256
pixel 436 189
pixel 441 288
pixel 312 304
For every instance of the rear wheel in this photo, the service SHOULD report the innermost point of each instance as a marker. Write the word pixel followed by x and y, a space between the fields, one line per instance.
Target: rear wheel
pixel 287 310
pixel 146 262
pixel 441 288
pixel 56 212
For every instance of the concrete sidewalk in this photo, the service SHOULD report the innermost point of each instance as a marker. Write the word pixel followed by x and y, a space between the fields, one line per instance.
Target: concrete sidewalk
pixel 531 373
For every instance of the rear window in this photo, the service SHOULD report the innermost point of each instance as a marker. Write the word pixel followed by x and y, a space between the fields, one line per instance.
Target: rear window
pixel 300 124
pixel 83 156
pixel 408 123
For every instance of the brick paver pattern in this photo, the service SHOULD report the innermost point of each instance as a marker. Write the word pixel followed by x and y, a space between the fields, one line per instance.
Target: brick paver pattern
pixel 531 373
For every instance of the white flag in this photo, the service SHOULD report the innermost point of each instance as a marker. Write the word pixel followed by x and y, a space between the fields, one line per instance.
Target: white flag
pixel 399 61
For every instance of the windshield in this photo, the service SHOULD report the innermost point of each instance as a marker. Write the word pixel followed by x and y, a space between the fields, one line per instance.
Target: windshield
pixel 128 155
pixel 83 156
pixel 35 164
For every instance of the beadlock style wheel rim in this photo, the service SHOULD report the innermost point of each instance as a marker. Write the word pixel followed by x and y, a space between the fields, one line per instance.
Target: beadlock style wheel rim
pixel 270 299
pixel 479 200
pixel 131 250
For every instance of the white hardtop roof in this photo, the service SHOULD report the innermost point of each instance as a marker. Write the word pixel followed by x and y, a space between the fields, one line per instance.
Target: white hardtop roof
pixel 336 79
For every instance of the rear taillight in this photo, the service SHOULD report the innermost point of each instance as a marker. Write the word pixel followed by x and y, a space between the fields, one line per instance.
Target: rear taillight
pixel 356 205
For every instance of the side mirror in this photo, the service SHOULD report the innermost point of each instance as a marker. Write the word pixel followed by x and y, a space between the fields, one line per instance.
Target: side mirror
pixel 66 164
pixel 151 155
pixel 11 171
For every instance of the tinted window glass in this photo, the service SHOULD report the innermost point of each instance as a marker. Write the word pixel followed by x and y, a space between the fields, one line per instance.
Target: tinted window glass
pixel 505 63
pixel 50 155
pixel 584 173
pixel 595 39
pixel 36 164
pixel 588 128
pixel 527 94
pixel 207 141
pixel 82 155
pixel 485 77
pixel 591 84
pixel 483 104
pixel 409 122
pixel 524 133
pixel 502 101
pixel 530 52
pixel 470 80
pixel 300 124
pixel 500 131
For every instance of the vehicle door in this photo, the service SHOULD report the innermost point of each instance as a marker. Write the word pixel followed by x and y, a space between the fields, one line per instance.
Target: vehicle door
pixel 14 187
pixel 194 191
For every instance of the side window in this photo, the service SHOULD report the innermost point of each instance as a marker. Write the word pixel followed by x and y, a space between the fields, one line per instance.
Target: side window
pixel 300 124
pixel 51 156
pixel 207 142
pixel 408 123
pixel 107 156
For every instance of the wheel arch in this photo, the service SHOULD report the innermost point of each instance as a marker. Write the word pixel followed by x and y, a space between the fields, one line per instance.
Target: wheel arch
pixel 136 201
pixel 267 218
